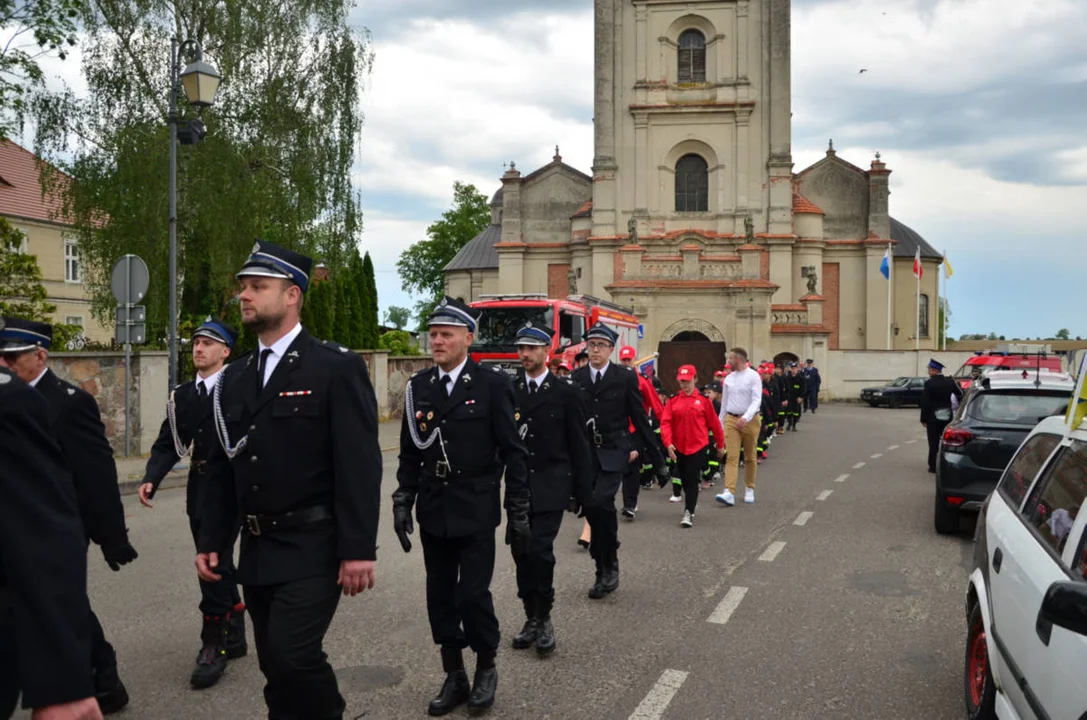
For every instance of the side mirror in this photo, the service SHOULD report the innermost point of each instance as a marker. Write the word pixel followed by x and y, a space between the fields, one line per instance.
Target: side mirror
pixel 1065 605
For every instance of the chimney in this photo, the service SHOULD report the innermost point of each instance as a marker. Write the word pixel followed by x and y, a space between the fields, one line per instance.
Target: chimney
pixel 511 205
pixel 879 219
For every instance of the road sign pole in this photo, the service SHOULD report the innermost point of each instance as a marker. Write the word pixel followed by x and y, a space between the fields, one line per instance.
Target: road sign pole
pixel 128 399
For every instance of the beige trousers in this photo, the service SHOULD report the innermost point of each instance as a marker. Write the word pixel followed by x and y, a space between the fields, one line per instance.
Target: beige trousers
pixel 748 439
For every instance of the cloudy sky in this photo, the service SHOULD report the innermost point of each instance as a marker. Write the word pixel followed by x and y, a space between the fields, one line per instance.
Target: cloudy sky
pixel 978 106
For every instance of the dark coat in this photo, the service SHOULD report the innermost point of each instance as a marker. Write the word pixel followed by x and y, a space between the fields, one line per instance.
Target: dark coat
pixel 195 425
pixel 479 433
pixel 44 612
pixel 796 388
pixel 612 404
pixel 813 379
pixel 936 395
pixel 312 442
pixel 560 457
pixel 77 426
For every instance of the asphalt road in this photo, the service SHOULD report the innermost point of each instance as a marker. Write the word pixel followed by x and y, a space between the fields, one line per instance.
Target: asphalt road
pixel 831 597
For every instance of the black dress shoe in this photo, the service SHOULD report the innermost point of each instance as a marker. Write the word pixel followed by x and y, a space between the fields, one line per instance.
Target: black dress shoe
pixel 527 637
pixel 455 692
pixel 109 690
pixel 545 637
pixel 610 579
pixel 483 689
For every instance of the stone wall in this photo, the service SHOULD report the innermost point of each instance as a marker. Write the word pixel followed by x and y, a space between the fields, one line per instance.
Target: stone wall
pixel 847 372
pixel 400 369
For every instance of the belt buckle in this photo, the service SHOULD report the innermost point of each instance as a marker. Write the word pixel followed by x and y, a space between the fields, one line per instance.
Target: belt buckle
pixel 252 524
pixel 441 469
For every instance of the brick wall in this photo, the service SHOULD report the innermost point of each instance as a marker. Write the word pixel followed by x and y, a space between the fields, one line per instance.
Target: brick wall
pixel 830 308
pixel 557 281
pixel 764 264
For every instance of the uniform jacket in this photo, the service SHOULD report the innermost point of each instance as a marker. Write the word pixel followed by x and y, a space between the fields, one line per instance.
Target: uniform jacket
pixel 688 420
pixel 77 427
pixel 560 457
pixel 195 425
pixel 611 405
pixel 479 433
pixel 312 442
pixel 44 612
pixel 936 395
pixel 769 407
pixel 812 378
pixel 796 387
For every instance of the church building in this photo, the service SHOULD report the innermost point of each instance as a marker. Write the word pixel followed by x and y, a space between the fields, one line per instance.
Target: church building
pixel 693 216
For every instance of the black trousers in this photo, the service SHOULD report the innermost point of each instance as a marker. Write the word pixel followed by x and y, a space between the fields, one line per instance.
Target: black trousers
pixel 690 472
pixel 219 598
pixel 458 591
pixel 102 653
pixel 602 517
pixel 813 399
pixel 935 430
pixel 10 682
pixel 289 625
pixel 632 480
pixel 536 568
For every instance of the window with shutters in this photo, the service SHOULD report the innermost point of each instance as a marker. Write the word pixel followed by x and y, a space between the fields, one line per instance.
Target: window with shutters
pixel 692 184
pixel 692 57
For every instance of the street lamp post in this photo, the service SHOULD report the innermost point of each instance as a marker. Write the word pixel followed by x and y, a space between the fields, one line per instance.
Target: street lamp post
pixel 200 82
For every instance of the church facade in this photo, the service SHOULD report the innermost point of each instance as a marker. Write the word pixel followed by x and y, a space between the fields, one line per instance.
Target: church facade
pixel 693 215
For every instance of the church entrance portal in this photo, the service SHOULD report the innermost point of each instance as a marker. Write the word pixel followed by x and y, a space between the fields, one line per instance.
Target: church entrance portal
pixel 785 358
pixel 690 348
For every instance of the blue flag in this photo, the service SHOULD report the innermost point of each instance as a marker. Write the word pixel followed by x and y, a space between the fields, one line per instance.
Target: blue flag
pixel 650 363
pixel 885 266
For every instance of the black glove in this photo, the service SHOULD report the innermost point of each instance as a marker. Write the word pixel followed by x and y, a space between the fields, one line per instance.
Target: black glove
pixel 518 532
pixel 402 522
pixel 119 554
pixel 663 476
pixel 574 506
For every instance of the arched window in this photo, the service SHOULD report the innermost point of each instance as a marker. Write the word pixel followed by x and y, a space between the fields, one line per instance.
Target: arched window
pixel 692 57
pixel 922 317
pixel 692 184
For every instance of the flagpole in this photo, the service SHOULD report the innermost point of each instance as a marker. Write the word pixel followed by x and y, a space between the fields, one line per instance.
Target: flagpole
pixel 890 293
pixel 917 315
pixel 943 306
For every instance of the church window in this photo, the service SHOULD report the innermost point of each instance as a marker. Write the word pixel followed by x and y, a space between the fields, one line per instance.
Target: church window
pixel 922 316
pixel 692 57
pixel 692 184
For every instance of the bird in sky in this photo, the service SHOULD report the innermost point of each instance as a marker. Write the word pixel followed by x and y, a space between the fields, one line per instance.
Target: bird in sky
pixel 863 71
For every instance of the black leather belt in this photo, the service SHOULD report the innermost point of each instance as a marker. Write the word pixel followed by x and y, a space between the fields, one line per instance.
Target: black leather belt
pixel 444 471
pixel 258 525
pixel 735 414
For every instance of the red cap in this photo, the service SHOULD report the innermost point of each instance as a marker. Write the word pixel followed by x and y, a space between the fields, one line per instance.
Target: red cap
pixel 686 372
pixel 565 365
pixel 627 353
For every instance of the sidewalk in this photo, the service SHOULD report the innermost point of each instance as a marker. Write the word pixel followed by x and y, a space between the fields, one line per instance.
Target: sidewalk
pixel 130 470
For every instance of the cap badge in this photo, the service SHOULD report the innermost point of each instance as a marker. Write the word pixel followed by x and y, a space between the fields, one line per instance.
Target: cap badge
pixel 443 303
pixel 256 247
pixel 528 324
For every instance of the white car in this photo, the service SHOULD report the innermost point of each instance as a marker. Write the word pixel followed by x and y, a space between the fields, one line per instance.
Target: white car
pixel 1026 606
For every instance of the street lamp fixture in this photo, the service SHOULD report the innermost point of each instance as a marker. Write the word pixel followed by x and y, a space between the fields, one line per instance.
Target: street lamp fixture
pixel 200 82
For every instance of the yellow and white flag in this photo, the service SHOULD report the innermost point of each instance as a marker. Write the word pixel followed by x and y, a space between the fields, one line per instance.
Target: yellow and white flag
pixel 947 268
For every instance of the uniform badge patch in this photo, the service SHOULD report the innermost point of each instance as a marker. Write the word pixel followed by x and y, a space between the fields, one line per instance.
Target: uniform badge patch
pixel 517 416
pixel 422 426
pixel 71 391
pixel 5 379
pixel 419 415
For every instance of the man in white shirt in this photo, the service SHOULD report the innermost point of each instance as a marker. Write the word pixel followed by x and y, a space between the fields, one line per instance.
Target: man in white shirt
pixel 741 399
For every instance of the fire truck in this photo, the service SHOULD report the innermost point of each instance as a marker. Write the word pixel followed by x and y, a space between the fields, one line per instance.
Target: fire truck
pixel 503 315
pixel 1008 357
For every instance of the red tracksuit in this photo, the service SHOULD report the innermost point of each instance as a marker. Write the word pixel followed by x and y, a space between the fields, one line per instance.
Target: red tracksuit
pixel 686 425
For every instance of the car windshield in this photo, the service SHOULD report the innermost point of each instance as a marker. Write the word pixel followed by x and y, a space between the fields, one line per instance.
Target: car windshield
pixel 899 382
pixel 498 326
pixel 1017 407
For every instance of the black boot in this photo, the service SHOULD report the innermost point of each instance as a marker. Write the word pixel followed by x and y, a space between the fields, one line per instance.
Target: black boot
pixel 485 683
pixel 545 635
pixel 109 690
pixel 598 590
pixel 527 636
pixel 455 690
pixel 211 660
pixel 236 646
pixel 610 581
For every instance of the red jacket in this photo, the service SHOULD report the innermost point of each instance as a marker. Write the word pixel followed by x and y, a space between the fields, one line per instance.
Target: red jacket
pixel 687 422
pixel 650 399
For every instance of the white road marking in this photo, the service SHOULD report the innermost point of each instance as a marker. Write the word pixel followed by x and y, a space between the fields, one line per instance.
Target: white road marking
pixel 823 495
pixel 654 704
pixel 911 442
pixel 894 447
pixel 877 456
pixel 842 478
pixel 728 605
pixel 772 552
pixel 859 465
pixel 803 518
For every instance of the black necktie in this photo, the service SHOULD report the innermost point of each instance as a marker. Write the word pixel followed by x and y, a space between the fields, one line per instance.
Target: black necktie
pixel 261 365
pixel 531 387
pixel 596 376
pixel 447 382
pixel 202 390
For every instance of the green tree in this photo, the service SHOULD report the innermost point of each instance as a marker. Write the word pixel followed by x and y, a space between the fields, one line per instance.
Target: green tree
pixel 317 311
pixel 22 293
pixel 347 324
pixel 944 321
pixel 398 317
pixel 31 29
pixel 398 342
pixel 369 305
pixel 422 266
pixel 276 162
pixel 1063 334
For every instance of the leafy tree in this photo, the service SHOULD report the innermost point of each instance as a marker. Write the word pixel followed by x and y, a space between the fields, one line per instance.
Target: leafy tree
pixel 22 293
pixel 31 29
pixel 399 342
pixel 992 336
pixel 944 321
pixel 398 317
pixel 369 305
pixel 422 266
pixel 1063 334
pixel 276 162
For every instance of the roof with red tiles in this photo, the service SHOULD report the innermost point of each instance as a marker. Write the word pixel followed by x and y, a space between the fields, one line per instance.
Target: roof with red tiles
pixel 20 186
pixel 803 205
pixel 585 210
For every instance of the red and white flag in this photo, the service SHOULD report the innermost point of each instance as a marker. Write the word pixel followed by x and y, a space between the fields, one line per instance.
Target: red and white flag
pixel 918 271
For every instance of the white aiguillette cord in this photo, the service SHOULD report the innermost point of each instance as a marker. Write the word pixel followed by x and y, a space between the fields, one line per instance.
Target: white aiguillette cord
pixel 220 422
pixel 409 409
pixel 171 414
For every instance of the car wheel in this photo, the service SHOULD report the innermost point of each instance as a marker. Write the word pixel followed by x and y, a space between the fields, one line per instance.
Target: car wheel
pixel 946 517
pixel 873 403
pixel 980 691
pixel 894 402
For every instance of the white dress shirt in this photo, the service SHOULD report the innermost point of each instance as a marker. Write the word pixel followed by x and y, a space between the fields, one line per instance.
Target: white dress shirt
pixel 539 380
pixel 279 349
pixel 594 372
pixel 35 381
pixel 211 380
pixel 741 394
pixel 454 373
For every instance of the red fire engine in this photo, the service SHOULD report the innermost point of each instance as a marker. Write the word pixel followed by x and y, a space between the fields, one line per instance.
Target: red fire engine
pixel 1007 357
pixel 503 315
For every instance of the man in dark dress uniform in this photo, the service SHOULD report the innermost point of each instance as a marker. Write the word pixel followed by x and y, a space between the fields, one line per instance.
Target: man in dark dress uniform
pixel 458 435
pixel 813 381
pixel 77 427
pixel 551 419
pixel 299 465
pixel 188 423
pixel 613 402
pixel 45 619
pixel 936 407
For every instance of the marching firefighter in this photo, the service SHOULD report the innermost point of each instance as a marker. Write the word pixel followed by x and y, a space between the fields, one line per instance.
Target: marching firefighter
pixel 632 480
pixel 551 421
pixel 797 390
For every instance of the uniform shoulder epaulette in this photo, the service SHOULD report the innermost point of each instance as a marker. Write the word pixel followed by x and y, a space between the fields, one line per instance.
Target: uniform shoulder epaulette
pixel 420 373
pixel 628 369
pixel 497 368
pixel 334 347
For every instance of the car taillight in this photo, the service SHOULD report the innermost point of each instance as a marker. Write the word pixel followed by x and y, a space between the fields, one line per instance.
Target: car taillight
pixel 956 437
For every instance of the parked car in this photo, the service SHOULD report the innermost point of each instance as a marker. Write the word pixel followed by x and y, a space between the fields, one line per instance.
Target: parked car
pixel 900 391
pixel 1026 600
pixel 995 415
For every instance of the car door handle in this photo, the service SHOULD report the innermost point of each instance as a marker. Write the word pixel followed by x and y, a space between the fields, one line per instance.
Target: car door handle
pixel 998 559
